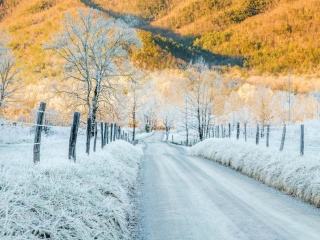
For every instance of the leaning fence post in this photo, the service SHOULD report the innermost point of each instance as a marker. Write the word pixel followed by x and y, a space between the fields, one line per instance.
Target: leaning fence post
pixel 101 128
pixel 257 135
pixel 238 130
pixel 88 135
pixel 302 140
pixel 111 132
pixel 268 134
pixel 73 136
pixel 283 137
pixel 37 137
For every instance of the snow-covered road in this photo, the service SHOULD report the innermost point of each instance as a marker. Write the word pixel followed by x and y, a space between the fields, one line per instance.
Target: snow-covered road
pixel 184 197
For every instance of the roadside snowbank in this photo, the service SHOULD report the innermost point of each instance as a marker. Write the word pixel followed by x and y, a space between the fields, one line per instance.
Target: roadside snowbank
pixel 59 199
pixel 286 171
pixel 144 135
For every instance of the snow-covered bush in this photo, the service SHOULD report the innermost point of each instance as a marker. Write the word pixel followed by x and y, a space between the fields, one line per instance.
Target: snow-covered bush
pixel 60 199
pixel 286 171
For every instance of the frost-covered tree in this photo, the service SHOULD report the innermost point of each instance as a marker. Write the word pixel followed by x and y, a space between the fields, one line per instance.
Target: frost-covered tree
pixel 136 98
pixel 200 86
pixel 262 106
pixel 95 52
pixel 9 81
pixel 168 114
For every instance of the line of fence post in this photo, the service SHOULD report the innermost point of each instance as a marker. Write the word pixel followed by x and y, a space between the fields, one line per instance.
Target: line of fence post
pixel 283 137
pixel 88 136
pixel 37 137
pixel 238 130
pixel 302 140
pixel 268 135
pixel 257 135
pixel 73 136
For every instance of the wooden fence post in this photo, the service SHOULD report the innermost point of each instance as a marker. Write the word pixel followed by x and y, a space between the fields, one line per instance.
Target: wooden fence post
pixel 114 131
pixel 229 130
pixel 283 137
pixel 106 135
pixel 111 132
pixel 221 131
pixel 268 135
pixel 73 136
pixel 95 136
pixel 238 130
pixel 302 140
pixel 119 132
pixel 262 131
pixel 102 132
pixel 257 135
pixel 37 137
pixel 88 135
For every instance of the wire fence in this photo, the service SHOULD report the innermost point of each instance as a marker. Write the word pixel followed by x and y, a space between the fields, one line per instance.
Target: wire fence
pixel 300 138
pixel 29 129
pixel 296 138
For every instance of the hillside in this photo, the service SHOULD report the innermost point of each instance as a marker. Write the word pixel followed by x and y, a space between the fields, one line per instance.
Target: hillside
pixel 29 24
pixel 263 35
pixel 266 35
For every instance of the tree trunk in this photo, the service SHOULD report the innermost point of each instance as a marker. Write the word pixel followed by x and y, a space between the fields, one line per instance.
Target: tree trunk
pixel 94 109
pixel 199 124
pixel 134 124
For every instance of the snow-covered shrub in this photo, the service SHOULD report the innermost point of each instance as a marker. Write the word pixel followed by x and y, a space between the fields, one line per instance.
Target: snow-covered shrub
pixel 60 199
pixel 286 171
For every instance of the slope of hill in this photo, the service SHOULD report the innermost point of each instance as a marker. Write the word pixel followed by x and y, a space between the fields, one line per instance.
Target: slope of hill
pixel 264 35
pixel 268 35
pixel 29 24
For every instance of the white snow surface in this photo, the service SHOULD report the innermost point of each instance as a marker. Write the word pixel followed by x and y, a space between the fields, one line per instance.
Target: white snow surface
pixel 144 135
pixel 286 171
pixel 187 197
pixel 59 199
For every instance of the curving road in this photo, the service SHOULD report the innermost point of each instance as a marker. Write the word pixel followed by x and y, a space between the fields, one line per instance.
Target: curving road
pixel 184 197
